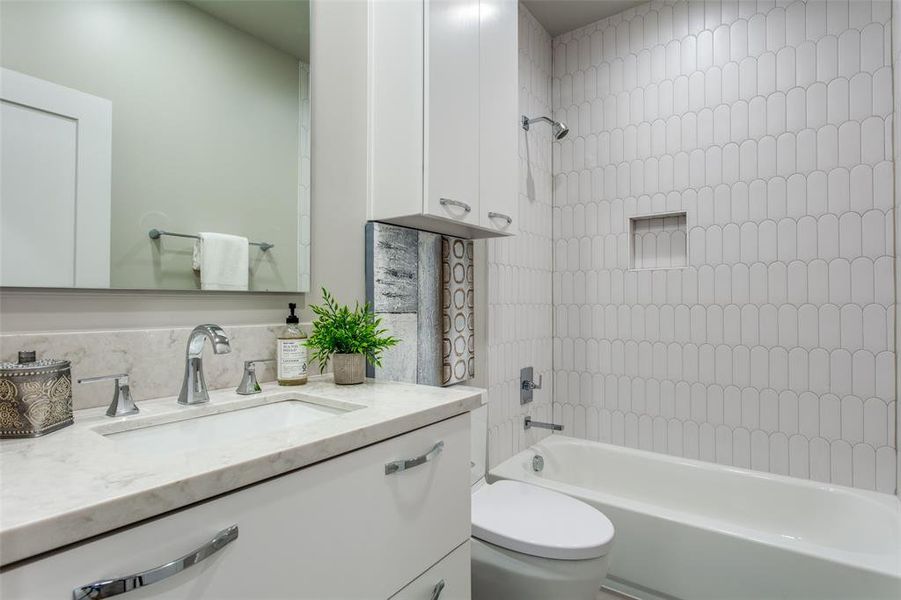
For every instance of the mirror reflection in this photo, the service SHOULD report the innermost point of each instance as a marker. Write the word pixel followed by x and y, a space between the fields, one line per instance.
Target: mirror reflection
pixel 126 121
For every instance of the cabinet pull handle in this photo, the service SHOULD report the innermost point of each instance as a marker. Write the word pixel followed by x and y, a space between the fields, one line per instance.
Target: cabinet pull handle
pixel 497 215
pixel 436 591
pixel 402 465
pixel 448 202
pixel 108 588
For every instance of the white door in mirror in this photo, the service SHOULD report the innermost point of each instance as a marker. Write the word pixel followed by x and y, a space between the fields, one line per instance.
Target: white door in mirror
pixel 56 181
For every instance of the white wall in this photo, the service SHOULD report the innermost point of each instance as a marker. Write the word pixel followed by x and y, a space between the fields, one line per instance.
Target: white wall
pixel 770 124
pixel 205 128
pixel 339 158
pixel 519 268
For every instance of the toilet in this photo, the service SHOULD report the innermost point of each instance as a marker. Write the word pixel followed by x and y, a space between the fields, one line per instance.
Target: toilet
pixel 529 542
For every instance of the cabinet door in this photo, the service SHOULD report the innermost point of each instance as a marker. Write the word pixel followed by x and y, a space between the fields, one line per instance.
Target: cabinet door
pixel 452 109
pixel 450 579
pixel 498 116
pixel 342 529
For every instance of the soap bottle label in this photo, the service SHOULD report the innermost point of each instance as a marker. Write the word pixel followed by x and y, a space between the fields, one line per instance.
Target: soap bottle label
pixel 292 359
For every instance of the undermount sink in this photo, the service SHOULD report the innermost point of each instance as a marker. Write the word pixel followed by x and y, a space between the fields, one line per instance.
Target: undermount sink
pixel 218 425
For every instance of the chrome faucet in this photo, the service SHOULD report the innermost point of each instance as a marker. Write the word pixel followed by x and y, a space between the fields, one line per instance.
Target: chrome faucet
pixel 193 388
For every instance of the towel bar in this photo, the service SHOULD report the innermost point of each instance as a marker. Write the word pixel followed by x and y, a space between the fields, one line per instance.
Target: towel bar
pixel 156 233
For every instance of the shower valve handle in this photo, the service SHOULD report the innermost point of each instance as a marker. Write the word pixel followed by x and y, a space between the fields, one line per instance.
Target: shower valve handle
pixel 529 384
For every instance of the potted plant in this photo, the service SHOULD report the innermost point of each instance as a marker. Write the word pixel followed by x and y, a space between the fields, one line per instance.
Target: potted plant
pixel 352 337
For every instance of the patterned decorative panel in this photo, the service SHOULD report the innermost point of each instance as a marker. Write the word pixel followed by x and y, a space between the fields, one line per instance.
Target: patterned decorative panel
pixel 769 124
pixel 403 285
pixel 458 318
pixel 393 256
pixel 429 311
pixel 519 268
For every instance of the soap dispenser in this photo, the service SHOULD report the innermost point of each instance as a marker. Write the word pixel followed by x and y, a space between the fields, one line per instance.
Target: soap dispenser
pixel 292 352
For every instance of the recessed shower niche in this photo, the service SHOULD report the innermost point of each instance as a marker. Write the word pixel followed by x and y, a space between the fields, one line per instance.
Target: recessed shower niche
pixel 659 241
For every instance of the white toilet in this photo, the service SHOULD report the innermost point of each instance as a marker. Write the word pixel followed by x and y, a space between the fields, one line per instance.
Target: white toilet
pixel 531 543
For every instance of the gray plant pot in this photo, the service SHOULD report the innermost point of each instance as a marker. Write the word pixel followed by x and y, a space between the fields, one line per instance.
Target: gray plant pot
pixel 349 368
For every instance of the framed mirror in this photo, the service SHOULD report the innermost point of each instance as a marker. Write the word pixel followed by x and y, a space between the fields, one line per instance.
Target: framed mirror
pixel 130 129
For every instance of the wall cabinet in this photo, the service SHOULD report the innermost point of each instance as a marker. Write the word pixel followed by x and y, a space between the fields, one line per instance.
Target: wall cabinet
pixel 344 528
pixel 443 115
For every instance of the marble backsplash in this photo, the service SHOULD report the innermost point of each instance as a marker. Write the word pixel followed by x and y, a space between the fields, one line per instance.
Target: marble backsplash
pixel 153 358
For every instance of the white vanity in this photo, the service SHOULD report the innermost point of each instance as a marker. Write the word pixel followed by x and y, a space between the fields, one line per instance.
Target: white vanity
pixel 335 492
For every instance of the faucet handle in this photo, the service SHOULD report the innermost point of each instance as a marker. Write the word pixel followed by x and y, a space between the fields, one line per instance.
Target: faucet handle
pixel 249 384
pixel 122 403
pixel 529 384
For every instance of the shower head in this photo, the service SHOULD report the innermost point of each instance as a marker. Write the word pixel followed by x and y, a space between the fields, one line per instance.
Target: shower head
pixel 557 128
pixel 560 130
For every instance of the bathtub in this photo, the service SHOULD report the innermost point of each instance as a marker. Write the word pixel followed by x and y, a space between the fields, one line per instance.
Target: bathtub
pixel 689 529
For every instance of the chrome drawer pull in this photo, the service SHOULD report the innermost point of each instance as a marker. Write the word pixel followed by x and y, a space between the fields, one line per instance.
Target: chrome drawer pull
pixel 497 215
pixel 402 465
pixel 436 591
pixel 113 587
pixel 449 202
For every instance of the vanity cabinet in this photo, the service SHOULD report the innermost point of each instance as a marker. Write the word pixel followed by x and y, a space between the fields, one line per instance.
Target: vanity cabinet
pixel 449 579
pixel 443 115
pixel 349 527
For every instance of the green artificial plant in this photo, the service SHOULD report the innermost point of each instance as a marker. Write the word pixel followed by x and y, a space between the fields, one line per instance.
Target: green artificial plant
pixel 340 330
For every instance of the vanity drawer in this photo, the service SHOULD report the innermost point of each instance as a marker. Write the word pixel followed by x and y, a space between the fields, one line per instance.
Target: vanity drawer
pixel 342 528
pixel 448 580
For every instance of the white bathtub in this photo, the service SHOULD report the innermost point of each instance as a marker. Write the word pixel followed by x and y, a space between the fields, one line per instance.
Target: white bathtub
pixel 689 529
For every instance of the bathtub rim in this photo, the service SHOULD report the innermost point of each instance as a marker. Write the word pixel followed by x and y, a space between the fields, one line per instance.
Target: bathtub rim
pixel 516 467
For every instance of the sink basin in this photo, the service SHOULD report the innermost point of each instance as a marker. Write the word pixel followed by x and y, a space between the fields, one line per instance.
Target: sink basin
pixel 210 425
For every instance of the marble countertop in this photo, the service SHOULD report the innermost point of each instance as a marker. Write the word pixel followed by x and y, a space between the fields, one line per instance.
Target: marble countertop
pixel 76 483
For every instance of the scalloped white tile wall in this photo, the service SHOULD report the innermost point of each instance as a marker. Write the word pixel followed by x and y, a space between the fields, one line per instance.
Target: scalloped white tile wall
pixel 893 47
pixel 520 314
pixel 770 124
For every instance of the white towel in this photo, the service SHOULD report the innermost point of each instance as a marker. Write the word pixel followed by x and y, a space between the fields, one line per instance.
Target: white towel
pixel 223 261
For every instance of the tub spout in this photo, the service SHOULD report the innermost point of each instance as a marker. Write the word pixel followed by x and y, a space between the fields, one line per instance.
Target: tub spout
pixel 529 423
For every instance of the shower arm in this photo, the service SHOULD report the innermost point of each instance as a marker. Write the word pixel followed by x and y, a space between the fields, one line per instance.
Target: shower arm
pixel 559 130
pixel 526 121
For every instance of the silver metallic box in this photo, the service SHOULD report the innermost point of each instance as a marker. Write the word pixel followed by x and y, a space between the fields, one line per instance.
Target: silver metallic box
pixel 35 396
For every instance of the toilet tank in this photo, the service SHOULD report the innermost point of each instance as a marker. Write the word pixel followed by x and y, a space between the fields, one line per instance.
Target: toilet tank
pixel 479 444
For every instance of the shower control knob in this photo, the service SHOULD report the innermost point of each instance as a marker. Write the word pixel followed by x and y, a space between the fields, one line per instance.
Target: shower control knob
pixel 531 385
pixel 527 384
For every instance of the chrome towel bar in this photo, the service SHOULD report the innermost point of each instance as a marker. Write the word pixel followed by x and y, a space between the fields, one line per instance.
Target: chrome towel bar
pixel 155 234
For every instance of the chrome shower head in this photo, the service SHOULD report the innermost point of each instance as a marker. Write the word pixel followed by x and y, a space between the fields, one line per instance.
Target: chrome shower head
pixel 560 130
pixel 557 128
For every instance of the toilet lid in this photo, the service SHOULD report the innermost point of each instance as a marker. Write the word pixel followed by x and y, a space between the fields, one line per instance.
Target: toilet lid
pixel 539 522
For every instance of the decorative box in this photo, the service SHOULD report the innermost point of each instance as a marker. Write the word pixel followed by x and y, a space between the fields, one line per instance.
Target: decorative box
pixel 35 396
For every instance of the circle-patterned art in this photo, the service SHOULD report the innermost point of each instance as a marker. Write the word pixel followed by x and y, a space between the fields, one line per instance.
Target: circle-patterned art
pixel 458 362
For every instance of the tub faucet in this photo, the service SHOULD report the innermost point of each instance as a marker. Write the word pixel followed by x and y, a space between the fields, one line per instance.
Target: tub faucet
pixel 529 423
pixel 193 388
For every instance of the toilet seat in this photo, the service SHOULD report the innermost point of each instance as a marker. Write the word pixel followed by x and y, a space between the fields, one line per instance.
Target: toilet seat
pixel 539 522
